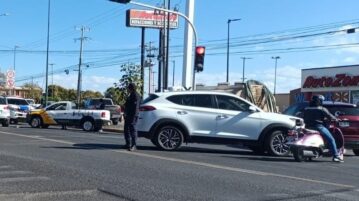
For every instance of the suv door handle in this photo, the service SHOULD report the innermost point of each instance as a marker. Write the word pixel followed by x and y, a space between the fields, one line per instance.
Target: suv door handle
pixel 222 116
pixel 182 112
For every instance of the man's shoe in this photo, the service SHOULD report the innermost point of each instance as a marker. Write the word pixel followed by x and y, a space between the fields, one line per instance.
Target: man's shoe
pixel 133 148
pixel 338 160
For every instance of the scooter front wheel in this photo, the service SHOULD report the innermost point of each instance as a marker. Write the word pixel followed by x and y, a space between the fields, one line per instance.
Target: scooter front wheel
pixel 298 154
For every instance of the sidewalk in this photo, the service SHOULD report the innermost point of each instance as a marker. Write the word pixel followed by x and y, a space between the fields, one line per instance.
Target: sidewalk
pixel 114 128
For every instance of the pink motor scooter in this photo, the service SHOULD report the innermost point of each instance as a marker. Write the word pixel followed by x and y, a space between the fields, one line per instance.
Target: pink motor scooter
pixel 306 144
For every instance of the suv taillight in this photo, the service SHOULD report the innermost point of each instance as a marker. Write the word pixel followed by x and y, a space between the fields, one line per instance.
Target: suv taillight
pixel 6 107
pixel 147 108
pixel 103 114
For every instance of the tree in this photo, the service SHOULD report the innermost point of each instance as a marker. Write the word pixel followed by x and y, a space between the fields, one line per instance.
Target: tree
pixel 35 91
pixel 131 74
pixel 116 96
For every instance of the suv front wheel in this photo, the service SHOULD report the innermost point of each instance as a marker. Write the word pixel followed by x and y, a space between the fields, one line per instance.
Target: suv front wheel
pixel 168 138
pixel 276 143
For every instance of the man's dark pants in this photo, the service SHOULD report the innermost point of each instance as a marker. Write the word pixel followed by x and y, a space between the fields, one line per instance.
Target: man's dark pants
pixel 130 131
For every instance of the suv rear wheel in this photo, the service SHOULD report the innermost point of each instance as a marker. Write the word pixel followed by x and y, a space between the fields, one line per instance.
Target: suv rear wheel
pixel 168 138
pixel 276 143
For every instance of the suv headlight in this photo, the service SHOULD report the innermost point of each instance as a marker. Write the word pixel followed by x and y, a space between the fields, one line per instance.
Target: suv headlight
pixel 298 122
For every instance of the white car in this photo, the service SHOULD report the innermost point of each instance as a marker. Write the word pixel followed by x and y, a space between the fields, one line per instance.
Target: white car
pixel 19 108
pixel 4 112
pixel 171 118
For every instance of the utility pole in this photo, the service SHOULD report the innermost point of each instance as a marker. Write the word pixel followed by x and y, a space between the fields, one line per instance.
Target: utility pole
pixel 173 72
pixel 52 80
pixel 47 54
pixel 15 47
pixel 244 64
pixel 79 79
pixel 150 55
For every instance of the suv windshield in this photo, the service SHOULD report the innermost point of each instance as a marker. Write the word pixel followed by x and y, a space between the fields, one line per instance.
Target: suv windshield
pixel 17 101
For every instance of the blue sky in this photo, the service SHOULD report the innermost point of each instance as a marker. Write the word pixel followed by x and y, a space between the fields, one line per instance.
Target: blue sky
pixel 26 26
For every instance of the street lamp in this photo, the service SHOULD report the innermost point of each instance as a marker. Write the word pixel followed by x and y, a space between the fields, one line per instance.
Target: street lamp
pixel 244 64
pixel 228 23
pixel 275 72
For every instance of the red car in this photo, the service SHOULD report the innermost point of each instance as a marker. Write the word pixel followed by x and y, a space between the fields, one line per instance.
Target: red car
pixel 344 111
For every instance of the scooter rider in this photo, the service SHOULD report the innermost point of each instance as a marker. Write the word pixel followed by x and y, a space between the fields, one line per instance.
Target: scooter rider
pixel 314 117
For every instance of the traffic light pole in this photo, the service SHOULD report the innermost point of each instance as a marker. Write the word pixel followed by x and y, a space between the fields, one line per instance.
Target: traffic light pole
pixel 182 15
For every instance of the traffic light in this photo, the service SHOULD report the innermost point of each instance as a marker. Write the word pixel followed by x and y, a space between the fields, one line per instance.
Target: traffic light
pixel 199 58
pixel 121 1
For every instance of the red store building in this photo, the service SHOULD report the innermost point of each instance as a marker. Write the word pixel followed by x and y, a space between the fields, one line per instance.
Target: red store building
pixel 340 83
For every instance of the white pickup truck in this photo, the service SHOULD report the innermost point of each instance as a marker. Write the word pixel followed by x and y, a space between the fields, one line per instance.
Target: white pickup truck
pixel 65 113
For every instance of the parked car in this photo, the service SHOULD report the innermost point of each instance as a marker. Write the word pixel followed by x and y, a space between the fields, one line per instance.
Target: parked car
pixel 19 107
pixel 4 112
pixel 171 118
pixel 65 113
pixel 115 110
pixel 344 111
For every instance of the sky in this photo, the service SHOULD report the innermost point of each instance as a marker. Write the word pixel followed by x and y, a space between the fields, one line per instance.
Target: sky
pixel 304 34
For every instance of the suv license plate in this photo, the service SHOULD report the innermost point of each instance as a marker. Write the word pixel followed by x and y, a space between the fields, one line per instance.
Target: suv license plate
pixel 344 124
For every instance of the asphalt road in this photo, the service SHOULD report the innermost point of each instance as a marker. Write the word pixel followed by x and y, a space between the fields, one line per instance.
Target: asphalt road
pixel 53 164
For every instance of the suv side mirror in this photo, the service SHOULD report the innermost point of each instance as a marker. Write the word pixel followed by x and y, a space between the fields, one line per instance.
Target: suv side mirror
pixel 252 109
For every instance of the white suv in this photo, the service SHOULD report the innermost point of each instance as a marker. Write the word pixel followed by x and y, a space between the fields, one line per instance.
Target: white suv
pixel 171 118
pixel 4 112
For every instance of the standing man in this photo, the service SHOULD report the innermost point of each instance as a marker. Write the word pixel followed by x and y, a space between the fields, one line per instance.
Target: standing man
pixel 132 107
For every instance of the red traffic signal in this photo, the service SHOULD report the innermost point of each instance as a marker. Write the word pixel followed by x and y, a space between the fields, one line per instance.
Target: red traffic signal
pixel 199 58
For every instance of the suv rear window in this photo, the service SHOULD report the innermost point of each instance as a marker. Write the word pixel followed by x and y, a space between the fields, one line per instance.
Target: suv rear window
pixel 17 101
pixel 343 110
pixel 197 100
pixel 151 97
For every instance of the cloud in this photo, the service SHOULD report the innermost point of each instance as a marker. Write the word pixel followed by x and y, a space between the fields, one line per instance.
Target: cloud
pixel 95 83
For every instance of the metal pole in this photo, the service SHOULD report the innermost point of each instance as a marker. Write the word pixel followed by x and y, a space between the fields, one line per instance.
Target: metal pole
pixel 15 47
pixel 165 74
pixel 228 37
pixel 173 73
pixel 227 76
pixel 275 73
pixel 160 62
pixel 142 60
pixel 47 54
pixel 79 78
pixel 244 64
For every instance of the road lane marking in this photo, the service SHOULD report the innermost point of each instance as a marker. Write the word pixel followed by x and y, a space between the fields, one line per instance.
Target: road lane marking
pixel 21 179
pixel 12 172
pixel 5 167
pixel 37 137
pixel 221 167
pixel 29 196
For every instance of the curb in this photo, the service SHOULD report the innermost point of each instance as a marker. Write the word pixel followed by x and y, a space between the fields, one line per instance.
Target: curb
pixel 113 130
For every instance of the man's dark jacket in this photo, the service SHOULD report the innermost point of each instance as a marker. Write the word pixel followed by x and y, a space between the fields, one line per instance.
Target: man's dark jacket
pixel 132 105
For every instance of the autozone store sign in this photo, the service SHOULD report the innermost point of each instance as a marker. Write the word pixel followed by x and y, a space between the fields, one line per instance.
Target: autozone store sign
pixel 329 79
pixel 149 18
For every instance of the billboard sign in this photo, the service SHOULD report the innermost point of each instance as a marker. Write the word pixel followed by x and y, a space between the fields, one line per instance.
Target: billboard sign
pixel 150 19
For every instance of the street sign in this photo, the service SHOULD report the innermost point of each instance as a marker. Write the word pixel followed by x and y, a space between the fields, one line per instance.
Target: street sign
pixel 149 19
pixel 10 74
pixel 10 84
